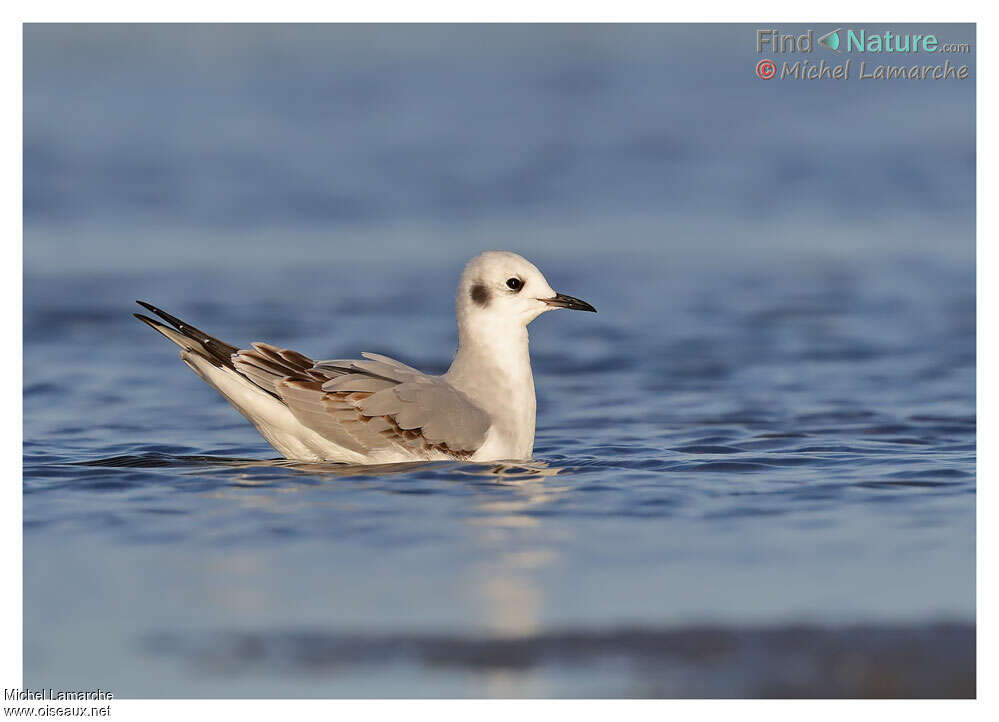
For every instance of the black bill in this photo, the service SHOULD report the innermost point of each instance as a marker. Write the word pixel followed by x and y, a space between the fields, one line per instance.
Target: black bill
pixel 563 301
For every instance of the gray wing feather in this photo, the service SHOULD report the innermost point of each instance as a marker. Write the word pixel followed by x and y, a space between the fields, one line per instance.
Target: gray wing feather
pixel 369 367
pixel 358 382
pixel 335 416
pixel 403 368
pixel 384 403
pixel 442 413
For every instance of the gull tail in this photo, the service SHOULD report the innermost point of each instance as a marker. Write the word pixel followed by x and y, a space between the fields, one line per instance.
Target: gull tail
pixel 218 353
pixel 212 360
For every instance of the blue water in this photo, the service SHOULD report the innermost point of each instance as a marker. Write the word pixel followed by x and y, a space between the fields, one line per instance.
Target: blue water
pixel 770 422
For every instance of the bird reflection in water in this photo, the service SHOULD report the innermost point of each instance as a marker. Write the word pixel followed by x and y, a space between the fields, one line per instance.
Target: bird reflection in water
pixel 513 544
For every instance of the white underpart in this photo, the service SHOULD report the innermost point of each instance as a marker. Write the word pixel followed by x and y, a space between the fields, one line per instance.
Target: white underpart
pixel 273 419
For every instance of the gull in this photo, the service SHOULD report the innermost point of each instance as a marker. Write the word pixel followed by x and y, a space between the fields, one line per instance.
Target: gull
pixel 376 410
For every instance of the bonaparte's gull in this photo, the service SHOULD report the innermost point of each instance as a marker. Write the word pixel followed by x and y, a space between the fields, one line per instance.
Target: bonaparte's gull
pixel 377 410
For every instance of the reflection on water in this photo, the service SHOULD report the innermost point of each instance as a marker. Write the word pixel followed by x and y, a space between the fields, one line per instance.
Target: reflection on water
pixel 503 588
pixel 502 592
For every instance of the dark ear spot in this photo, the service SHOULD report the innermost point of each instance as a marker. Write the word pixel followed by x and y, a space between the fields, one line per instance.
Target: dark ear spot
pixel 480 295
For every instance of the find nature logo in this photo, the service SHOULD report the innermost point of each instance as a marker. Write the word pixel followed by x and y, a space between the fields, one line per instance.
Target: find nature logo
pixel 918 55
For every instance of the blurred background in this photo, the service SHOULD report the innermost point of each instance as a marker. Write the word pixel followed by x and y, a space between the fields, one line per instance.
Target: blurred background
pixel 756 462
pixel 144 141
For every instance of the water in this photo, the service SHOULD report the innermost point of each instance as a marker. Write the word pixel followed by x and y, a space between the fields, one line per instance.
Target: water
pixel 755 467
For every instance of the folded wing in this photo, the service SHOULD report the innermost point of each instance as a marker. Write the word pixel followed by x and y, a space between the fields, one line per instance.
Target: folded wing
pixel 371 404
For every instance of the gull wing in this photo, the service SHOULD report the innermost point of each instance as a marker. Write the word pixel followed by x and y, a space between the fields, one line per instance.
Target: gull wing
pixel 371 404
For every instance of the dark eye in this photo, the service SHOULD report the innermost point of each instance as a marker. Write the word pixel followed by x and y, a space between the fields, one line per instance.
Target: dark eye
pixel 514 284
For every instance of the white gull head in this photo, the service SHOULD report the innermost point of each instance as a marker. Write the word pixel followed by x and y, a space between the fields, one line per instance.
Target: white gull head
pixel 499 294
pixel 502 288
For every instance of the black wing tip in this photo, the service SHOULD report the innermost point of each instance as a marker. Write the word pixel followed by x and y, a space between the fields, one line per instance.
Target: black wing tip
pixel 145 319
pixel 149 307
pixel 169 318
pixel 219 350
